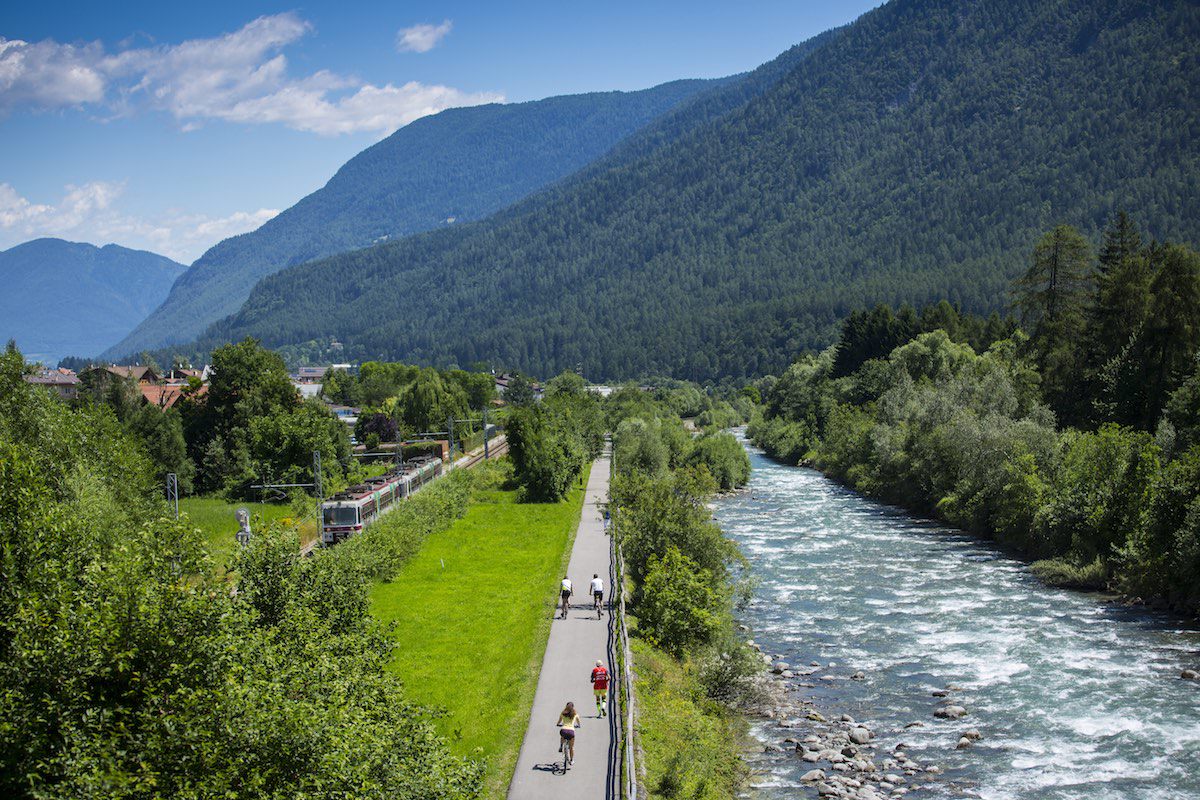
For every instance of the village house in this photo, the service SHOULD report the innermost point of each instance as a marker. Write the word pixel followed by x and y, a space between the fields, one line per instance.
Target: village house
pixel 61 381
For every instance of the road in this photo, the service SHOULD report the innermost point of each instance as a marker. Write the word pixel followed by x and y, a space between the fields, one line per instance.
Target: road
pixel 574 646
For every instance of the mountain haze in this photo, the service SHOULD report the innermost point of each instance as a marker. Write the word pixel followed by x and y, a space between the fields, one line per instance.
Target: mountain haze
pixel 461 164
pixel 68 298
pixel 915 156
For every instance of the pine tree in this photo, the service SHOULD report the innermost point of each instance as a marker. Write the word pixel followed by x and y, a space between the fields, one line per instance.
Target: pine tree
pixel 1121 292
pixel 1051 297
pixel 1173 329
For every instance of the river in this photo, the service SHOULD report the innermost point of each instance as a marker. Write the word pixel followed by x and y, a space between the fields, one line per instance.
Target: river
pixel 1075 697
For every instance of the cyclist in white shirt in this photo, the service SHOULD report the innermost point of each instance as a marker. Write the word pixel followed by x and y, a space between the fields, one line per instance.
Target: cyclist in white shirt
pixel 598 590
pixel 565 592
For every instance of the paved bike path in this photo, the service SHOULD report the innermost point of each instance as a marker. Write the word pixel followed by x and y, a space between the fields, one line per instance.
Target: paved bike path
pixel 574 646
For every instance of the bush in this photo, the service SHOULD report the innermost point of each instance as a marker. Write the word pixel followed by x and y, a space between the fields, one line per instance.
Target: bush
pixel 681 606
pixel 724 458
pixel 546 453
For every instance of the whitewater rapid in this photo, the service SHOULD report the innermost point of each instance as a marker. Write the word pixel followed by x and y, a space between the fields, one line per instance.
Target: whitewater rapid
pixel 1075 696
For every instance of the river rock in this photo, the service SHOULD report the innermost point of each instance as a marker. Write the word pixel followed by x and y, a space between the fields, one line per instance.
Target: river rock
pixel 813 775
pixel 963 743
pixel 787 673
pixel 939 693
pixel 1190 675
pixel 772 748
pixel 914 725
pixel 812 738
pixel 973 735
pixel 815 716
pixel 849 751
pixel 779 666
pixel 826 790
pixel 933 770
pixel 860 735
pixel 950 712
pixel 859 676
pixel 811 756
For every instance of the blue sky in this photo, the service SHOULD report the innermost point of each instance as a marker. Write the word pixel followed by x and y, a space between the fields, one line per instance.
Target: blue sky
pixel 169 126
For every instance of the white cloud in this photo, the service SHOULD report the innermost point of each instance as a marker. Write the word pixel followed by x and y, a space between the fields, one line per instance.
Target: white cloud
pixel 240 77
pixel 90 213
pixel 421 38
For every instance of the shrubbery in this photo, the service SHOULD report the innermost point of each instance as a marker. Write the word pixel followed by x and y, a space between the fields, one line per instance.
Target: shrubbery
pixel 551 442
pixel 131 670
pixel 942 429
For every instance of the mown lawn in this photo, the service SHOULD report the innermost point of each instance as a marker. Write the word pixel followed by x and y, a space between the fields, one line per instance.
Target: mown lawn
pixel 473 610
pixel 215 518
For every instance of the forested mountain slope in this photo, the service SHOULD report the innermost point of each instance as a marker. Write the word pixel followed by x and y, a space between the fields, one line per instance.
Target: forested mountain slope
pixel 915 156
pixel 61 298
pixel 459 165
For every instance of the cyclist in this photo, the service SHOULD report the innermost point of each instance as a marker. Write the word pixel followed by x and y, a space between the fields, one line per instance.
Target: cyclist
pixel 568 721
pixel 598 592
pixel 600 688
pixel 565 592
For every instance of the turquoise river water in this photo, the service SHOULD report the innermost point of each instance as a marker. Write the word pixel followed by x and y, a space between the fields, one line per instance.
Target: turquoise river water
pixel 1075 696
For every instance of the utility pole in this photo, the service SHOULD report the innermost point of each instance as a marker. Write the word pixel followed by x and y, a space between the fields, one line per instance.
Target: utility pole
pixel 317 475
pixel 173 491
pixel 450 428
pixel 485 436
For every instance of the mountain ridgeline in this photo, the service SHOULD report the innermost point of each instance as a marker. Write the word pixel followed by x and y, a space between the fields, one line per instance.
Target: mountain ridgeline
pixel 68 298
pixel 461 164
pixel 914 156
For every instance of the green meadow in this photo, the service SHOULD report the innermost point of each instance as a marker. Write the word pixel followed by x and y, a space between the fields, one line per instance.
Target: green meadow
pixel 472 613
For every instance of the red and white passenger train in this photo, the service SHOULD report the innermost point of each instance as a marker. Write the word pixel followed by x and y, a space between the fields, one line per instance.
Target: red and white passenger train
pixel 347 513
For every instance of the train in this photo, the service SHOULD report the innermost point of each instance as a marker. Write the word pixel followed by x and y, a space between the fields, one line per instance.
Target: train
pixel 347 513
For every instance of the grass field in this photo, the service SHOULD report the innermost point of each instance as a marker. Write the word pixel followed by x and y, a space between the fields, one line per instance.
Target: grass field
pixel 215 518
pixel 473 610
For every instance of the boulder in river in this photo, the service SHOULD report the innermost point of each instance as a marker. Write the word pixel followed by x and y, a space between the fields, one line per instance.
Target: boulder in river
pixel 1190 675
pixel 860 735
pixel 950 712
pixel 973 735
pixel 963 743
pixel 813 775
pixel 779 666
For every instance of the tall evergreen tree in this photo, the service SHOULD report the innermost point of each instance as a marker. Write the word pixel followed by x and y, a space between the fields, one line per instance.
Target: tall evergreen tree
pixel 1051 297
pixel 1121 292
pixel 1173 327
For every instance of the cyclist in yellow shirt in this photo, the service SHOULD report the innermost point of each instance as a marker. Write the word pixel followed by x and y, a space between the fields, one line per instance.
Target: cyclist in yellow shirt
pixel 568 721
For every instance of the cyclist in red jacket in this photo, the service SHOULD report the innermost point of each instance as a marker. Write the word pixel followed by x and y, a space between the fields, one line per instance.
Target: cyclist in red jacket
pixel 600 688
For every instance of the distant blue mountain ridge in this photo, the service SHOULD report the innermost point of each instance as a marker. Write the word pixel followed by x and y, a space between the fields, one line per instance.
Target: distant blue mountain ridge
pixel 63 298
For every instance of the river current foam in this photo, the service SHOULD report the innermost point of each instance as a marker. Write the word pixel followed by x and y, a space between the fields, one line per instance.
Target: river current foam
pixel 1074 697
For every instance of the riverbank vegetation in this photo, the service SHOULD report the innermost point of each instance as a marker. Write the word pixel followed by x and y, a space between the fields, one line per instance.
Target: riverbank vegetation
pixel 1074 439
pixel 693 672
pixel 473 610
pixel 129 668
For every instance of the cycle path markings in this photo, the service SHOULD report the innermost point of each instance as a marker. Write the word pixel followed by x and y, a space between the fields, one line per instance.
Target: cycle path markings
pixel 574 646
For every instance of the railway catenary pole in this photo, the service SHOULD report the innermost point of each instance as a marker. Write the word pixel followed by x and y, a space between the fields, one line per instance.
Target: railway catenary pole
pixel 317 488
pixel 450 428
pixel 486 455
pixel 173 492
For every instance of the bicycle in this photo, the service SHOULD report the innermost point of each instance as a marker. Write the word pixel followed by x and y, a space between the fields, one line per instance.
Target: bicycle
pixel 565 749
pixel 566 605
pixel 598 598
